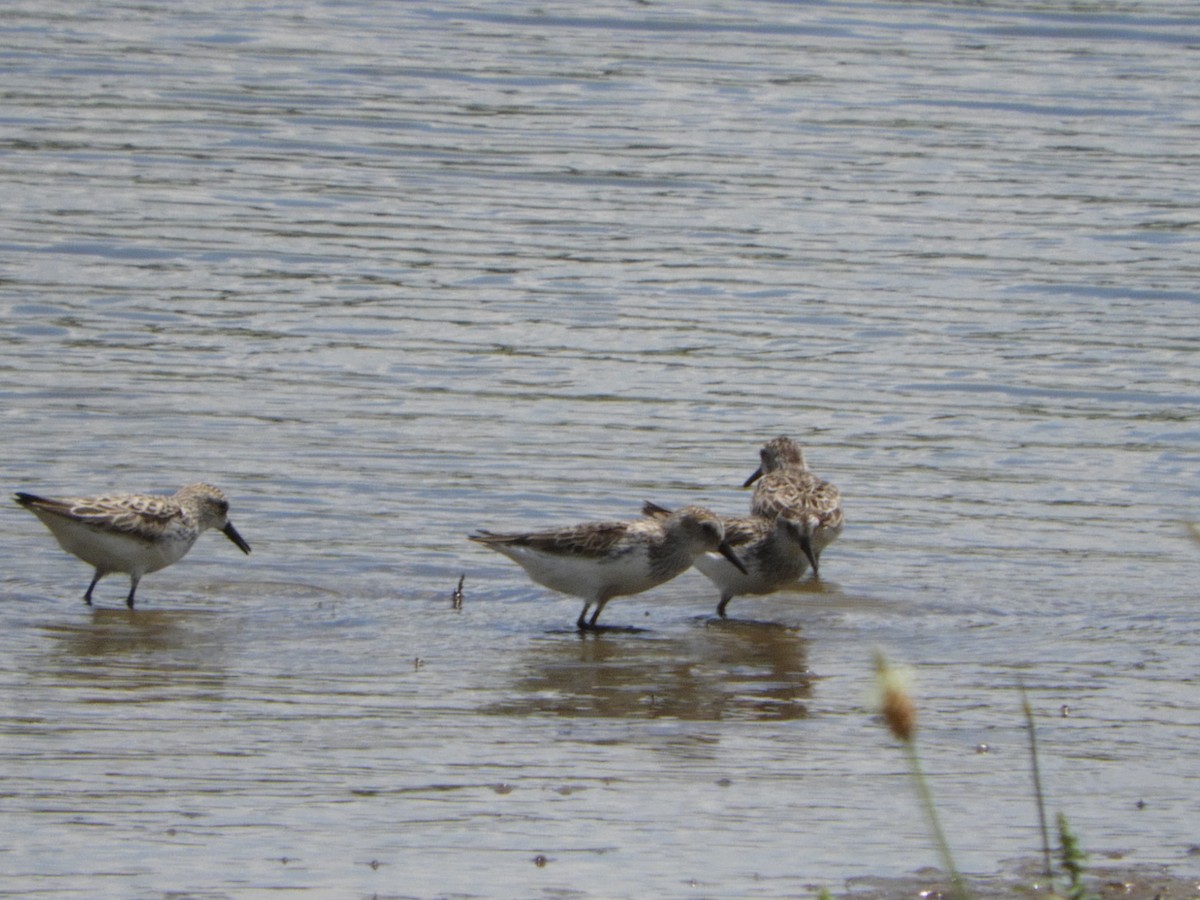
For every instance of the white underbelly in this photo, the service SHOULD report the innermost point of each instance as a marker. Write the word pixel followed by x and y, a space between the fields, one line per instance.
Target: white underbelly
pixel 116 552
pixel 589 577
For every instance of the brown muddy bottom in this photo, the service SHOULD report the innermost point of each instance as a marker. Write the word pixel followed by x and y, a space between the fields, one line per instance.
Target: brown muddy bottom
pixel 1134 882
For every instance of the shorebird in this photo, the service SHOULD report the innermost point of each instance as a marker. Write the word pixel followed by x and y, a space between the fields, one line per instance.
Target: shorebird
pixel 774 555
pixel 133 533
pixel 787 488
pixel 601 560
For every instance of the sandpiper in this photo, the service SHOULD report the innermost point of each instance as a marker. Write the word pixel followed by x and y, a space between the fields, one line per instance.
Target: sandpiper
pixel 133 533
pixel 787 488
pixel 774 553
pixel 601 560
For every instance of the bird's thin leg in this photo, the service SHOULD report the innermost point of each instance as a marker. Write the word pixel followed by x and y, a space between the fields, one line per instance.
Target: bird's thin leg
pixel 581 622
pixel 133 583
pixel 87 597
pixel 724 603
pixel 596 614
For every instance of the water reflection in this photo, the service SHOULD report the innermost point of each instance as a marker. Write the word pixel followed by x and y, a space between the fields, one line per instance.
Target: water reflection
pixel 160 654
pixel 122 631
pixel 715 670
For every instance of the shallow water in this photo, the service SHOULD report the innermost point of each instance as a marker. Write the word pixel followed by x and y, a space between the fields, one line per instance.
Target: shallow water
pixel 389 273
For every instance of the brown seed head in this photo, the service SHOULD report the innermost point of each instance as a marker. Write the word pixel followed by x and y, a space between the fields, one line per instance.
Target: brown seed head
pixel 895 702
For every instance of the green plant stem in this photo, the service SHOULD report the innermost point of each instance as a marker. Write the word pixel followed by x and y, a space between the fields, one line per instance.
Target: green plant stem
pixel 1037 783
pixel 958 888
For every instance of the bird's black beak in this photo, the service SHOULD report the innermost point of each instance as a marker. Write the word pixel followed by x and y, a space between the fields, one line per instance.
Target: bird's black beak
pixel 753 478
pixel 230 532
pixel 726 551
pixel 807 547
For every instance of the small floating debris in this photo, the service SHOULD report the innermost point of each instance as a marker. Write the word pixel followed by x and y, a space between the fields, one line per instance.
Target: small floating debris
pixel 457 597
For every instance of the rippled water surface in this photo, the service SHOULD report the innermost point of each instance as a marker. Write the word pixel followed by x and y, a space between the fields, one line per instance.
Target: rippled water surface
pixel 390 272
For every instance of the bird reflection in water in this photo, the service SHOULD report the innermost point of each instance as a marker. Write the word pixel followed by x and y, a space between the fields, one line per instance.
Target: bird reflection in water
pixel 175 652
pixel 716 670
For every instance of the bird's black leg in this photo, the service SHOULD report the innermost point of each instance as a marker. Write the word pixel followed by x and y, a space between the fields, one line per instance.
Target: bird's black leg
pixel 87 597
pixel 133 583
pixel 724 603
pixel 592 621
